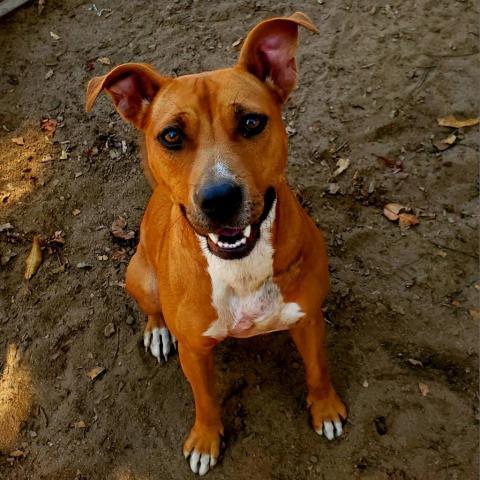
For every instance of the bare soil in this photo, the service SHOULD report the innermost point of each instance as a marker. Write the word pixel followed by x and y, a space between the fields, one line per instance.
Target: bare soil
pixel 403 312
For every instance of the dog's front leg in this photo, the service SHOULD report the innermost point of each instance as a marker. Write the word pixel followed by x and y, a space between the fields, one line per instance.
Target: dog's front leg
pixel 203 443
pixel 326 407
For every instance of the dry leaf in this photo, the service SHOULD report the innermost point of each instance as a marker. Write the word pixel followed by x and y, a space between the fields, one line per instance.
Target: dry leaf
pixel 407 220
pixel 64 155
pixel 47 158
pixel 450 140
pixel 118 229
pixel 49 74
pixel 119 254
pixel 454 122
pixel 423 389
pixel 55 36
pixel 95 372
pixel 441 253
pixel 342 165
pixel 104 60
pixel 474 313
pixel 34 259
pixel 392 210
pixel 236 43
pixel 18 141
pixel 79 424
pixel 49 125
pixel 75 212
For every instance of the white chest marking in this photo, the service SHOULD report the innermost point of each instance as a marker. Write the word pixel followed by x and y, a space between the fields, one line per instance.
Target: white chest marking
pixel 247 300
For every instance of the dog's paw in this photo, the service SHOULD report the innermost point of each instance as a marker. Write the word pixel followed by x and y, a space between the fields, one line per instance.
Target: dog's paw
pixel 160 342
pixel 202 448
pixel 328 415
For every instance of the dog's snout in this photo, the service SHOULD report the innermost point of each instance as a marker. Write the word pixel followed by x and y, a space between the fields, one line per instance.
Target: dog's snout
pixel 220 201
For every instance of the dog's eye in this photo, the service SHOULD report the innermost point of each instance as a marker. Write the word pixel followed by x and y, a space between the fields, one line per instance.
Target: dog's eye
pixel 252 124
pixel 171 137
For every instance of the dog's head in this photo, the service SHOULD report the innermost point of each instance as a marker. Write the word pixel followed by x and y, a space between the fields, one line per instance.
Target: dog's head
pixel 216 141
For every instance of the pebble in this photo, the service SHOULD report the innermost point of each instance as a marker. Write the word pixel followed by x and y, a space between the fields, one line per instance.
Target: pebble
pixel 130 320
pixel 109 330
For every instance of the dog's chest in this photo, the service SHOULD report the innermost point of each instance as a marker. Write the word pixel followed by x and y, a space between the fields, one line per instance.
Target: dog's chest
pixel 245 297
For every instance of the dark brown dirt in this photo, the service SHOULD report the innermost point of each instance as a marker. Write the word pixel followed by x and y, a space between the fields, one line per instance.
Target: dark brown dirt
pixel 371 84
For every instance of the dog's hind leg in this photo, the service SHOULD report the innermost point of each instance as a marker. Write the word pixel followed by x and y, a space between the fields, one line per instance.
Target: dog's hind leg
pixel 141 283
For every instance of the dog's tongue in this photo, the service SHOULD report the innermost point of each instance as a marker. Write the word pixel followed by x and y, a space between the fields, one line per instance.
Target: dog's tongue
pixel 229 232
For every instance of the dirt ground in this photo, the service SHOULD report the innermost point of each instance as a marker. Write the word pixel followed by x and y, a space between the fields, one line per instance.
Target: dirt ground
pixel 403 313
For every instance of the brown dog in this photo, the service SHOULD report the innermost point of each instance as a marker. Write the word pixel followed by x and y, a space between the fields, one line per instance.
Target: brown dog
pixel 225 248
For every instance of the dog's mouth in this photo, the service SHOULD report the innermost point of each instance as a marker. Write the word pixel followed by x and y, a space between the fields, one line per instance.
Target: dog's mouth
pixel 235 243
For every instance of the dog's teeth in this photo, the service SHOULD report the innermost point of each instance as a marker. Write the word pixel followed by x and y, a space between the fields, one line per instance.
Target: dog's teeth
pixel 247 231
pixel 213 237
pixel 243 241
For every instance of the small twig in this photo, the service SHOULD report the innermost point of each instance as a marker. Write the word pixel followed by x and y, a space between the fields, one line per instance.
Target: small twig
pixel 44 414
pixel 116 349
pixel 451 55
pixel 339 148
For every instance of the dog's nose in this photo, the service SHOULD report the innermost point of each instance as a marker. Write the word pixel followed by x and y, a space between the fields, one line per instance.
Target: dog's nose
pixel 220 201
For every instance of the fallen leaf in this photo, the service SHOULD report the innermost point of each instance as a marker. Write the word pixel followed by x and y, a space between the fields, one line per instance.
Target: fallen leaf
pixel 47 158
pixel 445 143
pixel 95 372
pixel 18 141
pixel 79 424
pixel 34 259
pixel 104 60
pixel 423 389
pixel 407 220
pixel 417 363
pixel 49 74
pixel 75 212
pixel 64 155
pixel 118 229
pixel 119 254
pixel 365 384
pixel 49 125
pixel 236 43
pixel 395 164
pixel 454 122
pixel 474 313
pixel 55 36
pixel 392 210
pixel 450 140
pixel 342 165
pixel 441 253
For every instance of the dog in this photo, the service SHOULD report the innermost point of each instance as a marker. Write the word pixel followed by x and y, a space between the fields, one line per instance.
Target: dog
pixel 225 248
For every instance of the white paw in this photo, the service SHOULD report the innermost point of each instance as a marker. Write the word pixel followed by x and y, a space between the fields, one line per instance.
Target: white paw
pixel 330 429
pixel 160 342
pixel 201 463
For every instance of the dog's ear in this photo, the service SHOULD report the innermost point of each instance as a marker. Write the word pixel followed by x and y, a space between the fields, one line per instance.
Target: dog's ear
pixel 132 87
pixel 269 52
